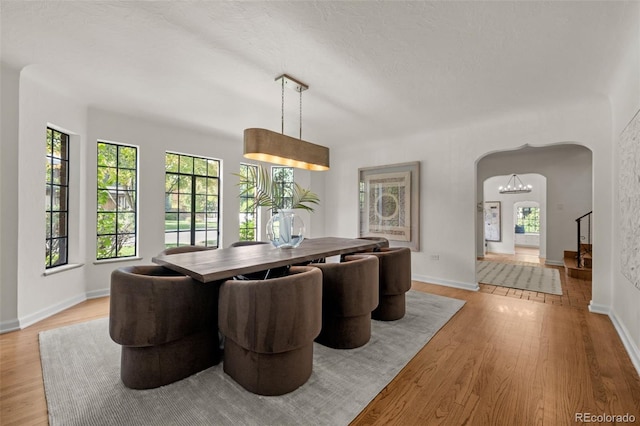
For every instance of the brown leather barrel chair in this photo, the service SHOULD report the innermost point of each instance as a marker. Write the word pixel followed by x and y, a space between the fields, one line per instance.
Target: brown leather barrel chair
pixel 167 324
pixel 394 280
pixel 349 294
pixel 269 326
pixel 184 249
pixel 382 242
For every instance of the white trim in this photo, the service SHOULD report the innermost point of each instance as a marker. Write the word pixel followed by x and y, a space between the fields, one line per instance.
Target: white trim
pixel 96 294
pixel 8 326
pixel 554 262
pixel 599 309
pixel 51 310
pixel 62 268
pixel 627 341
pixel 446 283
pixel 117 259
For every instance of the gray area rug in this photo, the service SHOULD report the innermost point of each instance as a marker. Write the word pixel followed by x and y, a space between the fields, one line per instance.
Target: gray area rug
pixel 532 278
pixel 81 369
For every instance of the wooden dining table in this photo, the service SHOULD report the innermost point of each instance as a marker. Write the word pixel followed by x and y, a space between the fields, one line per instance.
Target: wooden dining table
pixel 215 265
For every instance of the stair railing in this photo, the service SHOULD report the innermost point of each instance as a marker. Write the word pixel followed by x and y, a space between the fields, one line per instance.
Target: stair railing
pixel 582 248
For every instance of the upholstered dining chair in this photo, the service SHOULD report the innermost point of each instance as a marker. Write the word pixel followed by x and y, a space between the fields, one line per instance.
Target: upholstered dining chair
pixel 394 280
pixel 349 294
pixel 185 249
pixel 382 242
pixel 269 328
pixel 167 324
pixel 247 243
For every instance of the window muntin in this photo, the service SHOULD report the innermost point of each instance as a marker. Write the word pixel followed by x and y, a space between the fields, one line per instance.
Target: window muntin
pixel 116 221
pixel 282 178
pixel 192 203
pixel 57 199
pixel 528 220
pixel 248 217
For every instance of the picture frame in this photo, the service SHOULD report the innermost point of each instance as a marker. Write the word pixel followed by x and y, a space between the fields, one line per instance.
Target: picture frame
pixel 389 203
pixel 492 221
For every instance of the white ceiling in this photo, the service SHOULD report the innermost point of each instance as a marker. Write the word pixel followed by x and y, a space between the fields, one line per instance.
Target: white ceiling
pixel 375 70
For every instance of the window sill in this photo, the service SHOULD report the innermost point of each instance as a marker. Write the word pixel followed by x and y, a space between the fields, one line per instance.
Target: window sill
pixel 117 259
pixel 62 268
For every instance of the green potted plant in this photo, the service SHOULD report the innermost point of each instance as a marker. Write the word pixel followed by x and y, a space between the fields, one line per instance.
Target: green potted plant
pixel 285 229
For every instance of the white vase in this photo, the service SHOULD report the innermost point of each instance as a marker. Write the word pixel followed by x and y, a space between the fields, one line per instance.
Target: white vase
pixel 285 229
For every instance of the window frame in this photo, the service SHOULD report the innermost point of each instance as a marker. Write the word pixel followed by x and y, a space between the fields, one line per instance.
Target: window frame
pixel 521 219
pixel 62 232
pixel 182 176
pixel 284 188
pixel 245 231
pixel 117 209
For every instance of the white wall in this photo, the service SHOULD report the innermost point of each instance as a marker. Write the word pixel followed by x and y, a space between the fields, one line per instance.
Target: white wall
pixel 625 103
pixel 538 195
pixel 40 106
pixel 568 172
pixel 31 103
pixel 448 193
pixel 9 85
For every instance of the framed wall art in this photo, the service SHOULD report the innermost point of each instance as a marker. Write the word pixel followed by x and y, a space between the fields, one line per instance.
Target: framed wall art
pixel 389 203
pixel 492 224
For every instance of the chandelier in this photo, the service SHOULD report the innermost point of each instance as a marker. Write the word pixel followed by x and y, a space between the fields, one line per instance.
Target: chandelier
pixel 278 148
pixel 514 186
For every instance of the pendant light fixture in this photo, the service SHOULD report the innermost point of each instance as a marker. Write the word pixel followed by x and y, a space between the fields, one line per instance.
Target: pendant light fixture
pixel 278 148
pixel 515 186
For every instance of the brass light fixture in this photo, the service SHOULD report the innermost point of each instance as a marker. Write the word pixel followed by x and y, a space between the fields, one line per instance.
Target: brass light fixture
pixel 515 186
pixel 278 148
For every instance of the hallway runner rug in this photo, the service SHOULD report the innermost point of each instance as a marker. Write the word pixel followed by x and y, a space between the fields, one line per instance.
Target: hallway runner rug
pixel 81 371
pixel 532 278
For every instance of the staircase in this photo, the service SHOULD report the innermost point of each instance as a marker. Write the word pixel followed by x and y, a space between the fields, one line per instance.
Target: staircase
pixel 571 266
pixel 578 264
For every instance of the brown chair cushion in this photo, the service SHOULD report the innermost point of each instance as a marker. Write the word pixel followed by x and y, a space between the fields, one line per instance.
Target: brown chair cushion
pixel 350 288
pixel 395 270
pixel 274 315
pixel 152 305
pixel 184 249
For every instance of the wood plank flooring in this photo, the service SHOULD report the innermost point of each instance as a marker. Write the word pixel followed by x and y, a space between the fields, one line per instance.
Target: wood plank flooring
pixel 500 361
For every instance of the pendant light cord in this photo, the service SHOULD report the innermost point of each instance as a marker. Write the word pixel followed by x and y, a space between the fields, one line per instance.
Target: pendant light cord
pixel 301 114
pixel 282 108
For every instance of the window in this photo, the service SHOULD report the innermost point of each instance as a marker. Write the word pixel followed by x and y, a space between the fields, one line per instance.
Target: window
pixel 57 199
pixel 116 222
pixel 282 178
pixel 192 203
pixel 248 209
pixel 528 220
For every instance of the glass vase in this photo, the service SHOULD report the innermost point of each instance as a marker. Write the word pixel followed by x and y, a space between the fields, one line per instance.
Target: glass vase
pixel 285 229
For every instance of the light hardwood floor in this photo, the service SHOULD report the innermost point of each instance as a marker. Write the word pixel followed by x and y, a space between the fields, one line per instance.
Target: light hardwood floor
pixel 500 361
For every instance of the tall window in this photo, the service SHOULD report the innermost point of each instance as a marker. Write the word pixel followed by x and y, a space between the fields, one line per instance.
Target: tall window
pixel 282 178
pixel 248 209
pixel 116 222
pixel 528 220
pixel 192 203
pixel 57 199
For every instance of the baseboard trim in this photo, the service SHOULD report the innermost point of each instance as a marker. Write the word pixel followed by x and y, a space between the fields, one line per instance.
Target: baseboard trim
pixel 446 283
pixel 623 333
pixel 627 341
pixel 595 308
pixel 35 317
pixel 96 294
pixel 9 326
pixel 554 262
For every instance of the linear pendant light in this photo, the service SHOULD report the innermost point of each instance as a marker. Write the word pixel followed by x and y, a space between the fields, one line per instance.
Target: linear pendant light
pixel 278 148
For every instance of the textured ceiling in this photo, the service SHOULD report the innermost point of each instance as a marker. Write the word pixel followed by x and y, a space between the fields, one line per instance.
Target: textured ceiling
pixel 375 70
